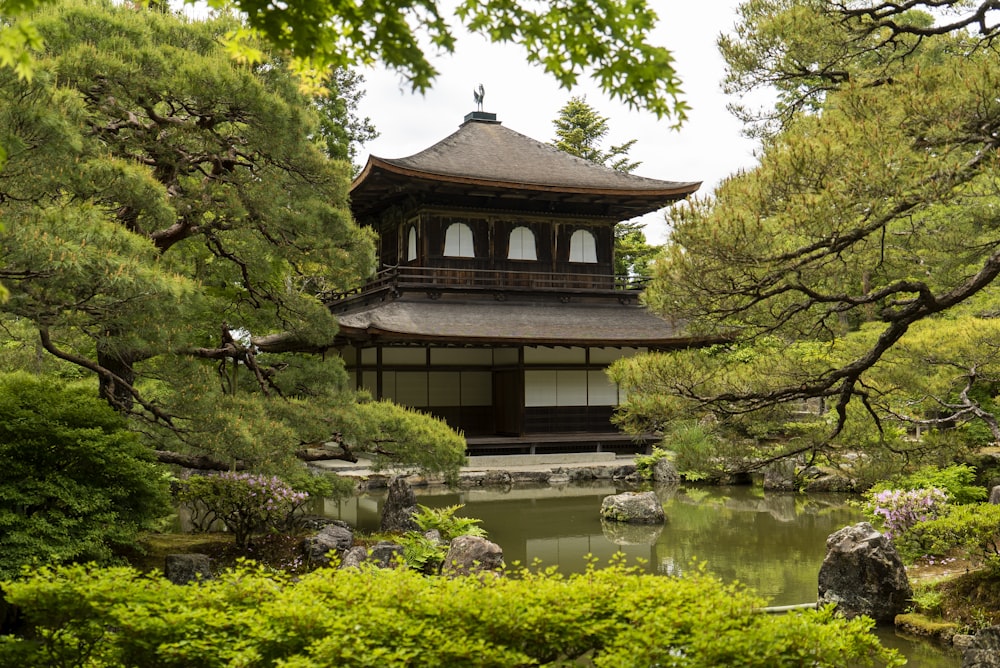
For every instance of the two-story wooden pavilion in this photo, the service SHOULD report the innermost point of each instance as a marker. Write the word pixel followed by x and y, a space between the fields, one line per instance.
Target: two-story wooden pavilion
pixel 497 307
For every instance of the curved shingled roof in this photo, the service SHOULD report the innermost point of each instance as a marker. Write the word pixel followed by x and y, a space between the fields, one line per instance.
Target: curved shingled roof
pixel 482 154
pixel 500 323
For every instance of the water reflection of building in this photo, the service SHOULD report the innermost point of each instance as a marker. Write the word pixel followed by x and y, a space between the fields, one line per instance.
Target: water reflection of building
pixel 556 526
pixel 496 306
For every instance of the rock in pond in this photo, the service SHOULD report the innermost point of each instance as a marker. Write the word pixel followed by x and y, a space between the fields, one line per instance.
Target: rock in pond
pixel 634 507
pixel 400 505
pixel 863 574
pixel 665 472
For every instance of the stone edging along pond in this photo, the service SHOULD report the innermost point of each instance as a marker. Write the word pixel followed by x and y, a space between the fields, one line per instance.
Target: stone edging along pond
pixel 556 469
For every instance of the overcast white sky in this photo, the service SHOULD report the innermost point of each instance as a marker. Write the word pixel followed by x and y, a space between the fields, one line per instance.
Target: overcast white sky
pixel 708 148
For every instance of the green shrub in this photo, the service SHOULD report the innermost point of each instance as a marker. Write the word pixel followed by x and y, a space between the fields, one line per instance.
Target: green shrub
pixel 898 510
pixel 245 503
pixel 971 530
pixel 644 464
pixel 958 481
pixel 426 555
pixel 75 484
pixel 701 454
pixel 81 616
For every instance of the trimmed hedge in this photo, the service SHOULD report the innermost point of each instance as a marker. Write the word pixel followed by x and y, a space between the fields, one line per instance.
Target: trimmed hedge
pixel 86 616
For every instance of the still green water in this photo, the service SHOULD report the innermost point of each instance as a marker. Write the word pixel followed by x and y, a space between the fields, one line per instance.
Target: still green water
pixel 771 542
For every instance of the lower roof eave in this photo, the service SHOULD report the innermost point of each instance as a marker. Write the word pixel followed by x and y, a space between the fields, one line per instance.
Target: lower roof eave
pixel 374 337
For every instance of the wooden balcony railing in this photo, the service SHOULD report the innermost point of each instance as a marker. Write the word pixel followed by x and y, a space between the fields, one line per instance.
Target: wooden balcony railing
pixel 433 279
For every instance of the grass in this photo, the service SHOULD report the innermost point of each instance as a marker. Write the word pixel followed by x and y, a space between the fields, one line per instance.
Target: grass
pixel 972 600
pixel 954 594
pixel 280 551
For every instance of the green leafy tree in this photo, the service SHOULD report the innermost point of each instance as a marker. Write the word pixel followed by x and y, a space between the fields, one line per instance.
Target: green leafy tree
pixel 172 225
pixel 565 38
pixel 867 233
pixel 75 483
pixel 581 131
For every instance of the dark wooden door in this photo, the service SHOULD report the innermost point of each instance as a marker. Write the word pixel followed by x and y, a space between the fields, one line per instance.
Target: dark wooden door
pixel 508 402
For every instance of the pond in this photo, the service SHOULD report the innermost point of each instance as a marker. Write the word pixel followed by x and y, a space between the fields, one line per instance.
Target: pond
pixel 772 542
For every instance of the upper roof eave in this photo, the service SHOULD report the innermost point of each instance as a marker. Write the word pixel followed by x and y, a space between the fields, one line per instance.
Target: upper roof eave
pixel 676 189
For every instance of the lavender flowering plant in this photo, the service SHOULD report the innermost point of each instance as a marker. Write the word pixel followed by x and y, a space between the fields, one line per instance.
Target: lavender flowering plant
pixel 245 503
pixel 898 510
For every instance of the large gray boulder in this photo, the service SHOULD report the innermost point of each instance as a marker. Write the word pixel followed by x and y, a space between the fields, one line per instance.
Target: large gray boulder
pixel 984 650
pixel 780 476
pixel 184 568
pixel 335 537
pixel 665 472
pixel 385 554
pixel 382 554
pixel 634 507
pixel 400 505
pixel 354 557
pixel 863 575
pixel 472 554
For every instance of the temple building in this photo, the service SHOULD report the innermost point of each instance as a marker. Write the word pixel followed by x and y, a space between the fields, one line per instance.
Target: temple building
pixel 496 306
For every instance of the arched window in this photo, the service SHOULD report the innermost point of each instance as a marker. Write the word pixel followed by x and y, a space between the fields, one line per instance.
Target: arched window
pixel 458 241
pixel 522 245
pixel 582 247
pixel 411 244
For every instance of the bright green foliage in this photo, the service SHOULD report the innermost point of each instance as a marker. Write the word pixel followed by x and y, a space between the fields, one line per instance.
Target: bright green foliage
pixel 397 617
pixel 426 555
pixel 447 523
pixel 633 255
pixel 610 38
pixel 422 553
pixel 644 464
pixel 958 481
pixel 607 36
pixel 245 503
pixel 393 433
pixel 172 225
pixel 971 531
pixel 74 484
pixel 19 37
pixel 714 444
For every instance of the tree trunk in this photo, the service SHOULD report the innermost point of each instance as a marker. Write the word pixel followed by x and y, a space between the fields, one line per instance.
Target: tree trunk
pixel 120 398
